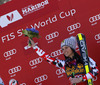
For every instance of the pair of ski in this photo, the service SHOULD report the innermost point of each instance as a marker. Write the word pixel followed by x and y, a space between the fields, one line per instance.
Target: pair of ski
pixel 81 40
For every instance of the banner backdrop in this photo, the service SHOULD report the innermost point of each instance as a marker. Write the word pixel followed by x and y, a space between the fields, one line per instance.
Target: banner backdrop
pixel 55 20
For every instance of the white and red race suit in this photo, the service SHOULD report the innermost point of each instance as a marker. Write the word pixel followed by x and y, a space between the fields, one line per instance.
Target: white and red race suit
pixel 61 63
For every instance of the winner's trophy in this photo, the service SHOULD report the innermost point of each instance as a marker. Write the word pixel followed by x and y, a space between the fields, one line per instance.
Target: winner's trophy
pixel 31 33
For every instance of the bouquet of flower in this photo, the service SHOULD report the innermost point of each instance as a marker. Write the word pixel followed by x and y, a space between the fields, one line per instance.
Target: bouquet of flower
pixel 31 33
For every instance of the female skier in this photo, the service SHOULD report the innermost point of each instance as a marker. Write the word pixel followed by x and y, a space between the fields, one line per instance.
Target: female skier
pixel 72 62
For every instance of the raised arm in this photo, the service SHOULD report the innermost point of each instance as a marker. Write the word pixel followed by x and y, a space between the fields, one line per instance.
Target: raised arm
pixel 51 60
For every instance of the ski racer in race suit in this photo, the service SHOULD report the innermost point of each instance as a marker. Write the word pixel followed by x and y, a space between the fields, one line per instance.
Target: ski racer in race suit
pixel 72 62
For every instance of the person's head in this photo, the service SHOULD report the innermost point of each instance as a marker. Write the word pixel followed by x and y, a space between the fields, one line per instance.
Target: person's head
pixel 68 46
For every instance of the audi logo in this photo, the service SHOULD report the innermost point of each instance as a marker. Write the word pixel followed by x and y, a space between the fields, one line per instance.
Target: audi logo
pixel 52 35
pixel 23 84
pixel 97 37
pixel 56 53
pixel 14 70
pixel 60 71
pixel 35 61
pixel 41 78
pixel 73 27
pixel 94 18
pixel 9 53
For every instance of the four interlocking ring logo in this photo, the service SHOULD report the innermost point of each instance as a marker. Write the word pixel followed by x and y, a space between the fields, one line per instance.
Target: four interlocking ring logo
pixel 9 53
pixel 94 18
pixel 56 53
pixel 14 70
pixel 35 61
pixel 60 71
pixel 41 78
pixel 52 35
pixel 73 27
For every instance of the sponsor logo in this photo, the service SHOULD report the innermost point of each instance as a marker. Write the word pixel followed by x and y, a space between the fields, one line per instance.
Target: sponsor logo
pixel 14 70
pixel 10 18
pixel 78 69
pixel 52 35
pixel 83 49
pixel 94 18
pixel 60 71
pixel 41 78
pixel 97 36
pixel 32 8
pixel 23 84
pixel 9 53
pixel 35 61
pixel 56 53
pixel 73 27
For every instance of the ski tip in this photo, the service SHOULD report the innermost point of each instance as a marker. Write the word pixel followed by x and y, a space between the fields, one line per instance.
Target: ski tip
pixel 80 36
